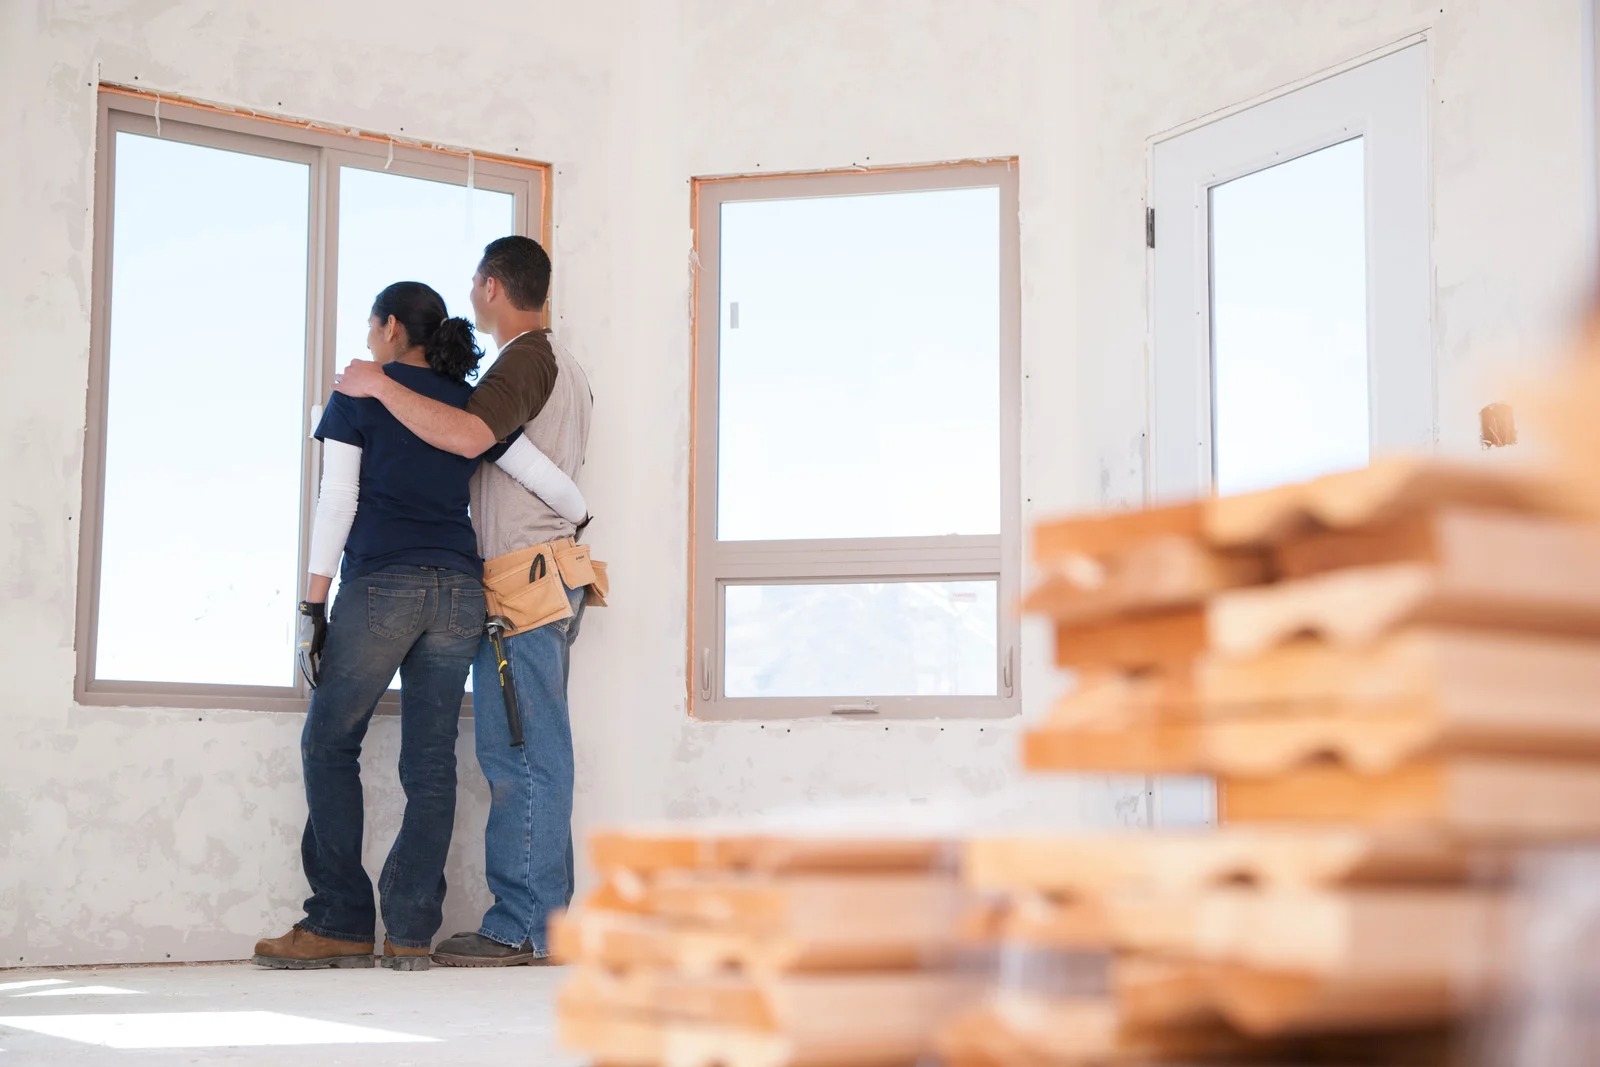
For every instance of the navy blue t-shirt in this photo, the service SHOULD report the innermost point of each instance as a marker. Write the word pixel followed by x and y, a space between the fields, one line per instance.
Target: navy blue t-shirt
pixel 412 510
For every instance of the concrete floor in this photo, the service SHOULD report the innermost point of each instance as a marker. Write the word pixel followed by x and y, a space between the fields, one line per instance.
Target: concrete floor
pixel 236 1013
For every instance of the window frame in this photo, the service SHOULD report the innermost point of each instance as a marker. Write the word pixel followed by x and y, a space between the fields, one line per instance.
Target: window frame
pixel 715 564
pixel 325 150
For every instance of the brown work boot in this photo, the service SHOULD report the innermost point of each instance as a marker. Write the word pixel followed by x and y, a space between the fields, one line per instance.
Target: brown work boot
pixel 401 958
pixel 302 950
pixel 474 950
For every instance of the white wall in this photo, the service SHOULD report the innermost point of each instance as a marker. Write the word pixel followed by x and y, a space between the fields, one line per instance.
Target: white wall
pixel 138 835
pixel 1076 90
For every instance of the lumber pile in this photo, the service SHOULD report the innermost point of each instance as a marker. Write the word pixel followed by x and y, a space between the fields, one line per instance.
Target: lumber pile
pixel 1563 407
pixel 702 949
pixel 1392 675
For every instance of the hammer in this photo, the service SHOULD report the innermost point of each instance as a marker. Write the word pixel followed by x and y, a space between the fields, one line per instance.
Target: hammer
pixel 497 625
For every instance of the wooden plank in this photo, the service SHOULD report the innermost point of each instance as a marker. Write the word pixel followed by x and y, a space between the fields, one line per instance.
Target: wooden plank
pixel 1101 696
pixel 1554 590
pixel 624 941
pixel 1563 407
pixel 1470 796
pixel 1424 935
pixel 1148 747
pixel 1021 1029
pixel 1107 532
pixel 1078 924
pixel 725 998
pixel 644 851
pixel 849 1021
pixel 1162 574
pixel 1481 547
pixel 772 1003
pixel 1384 492
pixel 900 907
pixel 1275 1003
pixel 1367 737
pixel 699 922
pixel 1167 641
pixel 637 1042
pixel 1185 862
pixel 1408 539
pixel 1479 674
pixel 1158 993
pixel 647 851
pixel 1162 992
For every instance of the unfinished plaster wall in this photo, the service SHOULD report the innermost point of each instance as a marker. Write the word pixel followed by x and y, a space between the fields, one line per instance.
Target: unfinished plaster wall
pixel 1077 90
pixel 142 834
pixel 136 834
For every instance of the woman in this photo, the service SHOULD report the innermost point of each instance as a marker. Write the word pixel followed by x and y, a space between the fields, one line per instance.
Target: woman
pixel 410 599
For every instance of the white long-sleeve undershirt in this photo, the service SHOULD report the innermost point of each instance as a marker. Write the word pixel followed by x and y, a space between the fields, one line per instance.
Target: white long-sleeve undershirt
pixel 336 506
pixel 539 475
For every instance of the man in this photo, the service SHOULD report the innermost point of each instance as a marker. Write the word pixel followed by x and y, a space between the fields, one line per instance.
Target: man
pixel 536 385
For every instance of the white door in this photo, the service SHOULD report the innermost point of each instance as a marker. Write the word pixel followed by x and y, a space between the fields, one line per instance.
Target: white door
pixel 1291 298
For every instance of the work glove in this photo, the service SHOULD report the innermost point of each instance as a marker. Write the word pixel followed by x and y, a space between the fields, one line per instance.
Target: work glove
pixel 313 633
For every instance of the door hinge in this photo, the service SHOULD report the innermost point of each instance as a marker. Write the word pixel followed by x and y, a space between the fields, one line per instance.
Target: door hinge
pixel 1149 227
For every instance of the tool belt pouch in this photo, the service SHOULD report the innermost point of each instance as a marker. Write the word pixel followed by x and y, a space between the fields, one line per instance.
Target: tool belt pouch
pixel 579 570
pixel 525 587
pixel 529 587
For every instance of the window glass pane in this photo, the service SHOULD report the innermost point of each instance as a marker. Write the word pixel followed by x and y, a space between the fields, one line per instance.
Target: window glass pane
pixel 395 228
pixel 201 529
pixel 1289 321
pixel 861 639
pixel 859 366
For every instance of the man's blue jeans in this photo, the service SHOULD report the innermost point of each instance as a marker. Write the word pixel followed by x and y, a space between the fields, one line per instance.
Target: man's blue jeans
pixel 425 622
pixel 528 842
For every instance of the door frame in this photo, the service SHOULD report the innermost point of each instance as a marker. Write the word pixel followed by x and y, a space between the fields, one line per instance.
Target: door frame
pixel 1179 464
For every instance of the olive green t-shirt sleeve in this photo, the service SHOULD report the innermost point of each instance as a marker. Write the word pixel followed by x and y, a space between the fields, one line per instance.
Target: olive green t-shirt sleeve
pixel 516 387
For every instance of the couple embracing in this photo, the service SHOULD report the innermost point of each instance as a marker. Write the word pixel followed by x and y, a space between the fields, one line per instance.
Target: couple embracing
pixel 456 517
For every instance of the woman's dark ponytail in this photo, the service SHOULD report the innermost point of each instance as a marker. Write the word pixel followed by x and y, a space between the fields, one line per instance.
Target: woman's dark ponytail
pixel 453 350
pixel 448 343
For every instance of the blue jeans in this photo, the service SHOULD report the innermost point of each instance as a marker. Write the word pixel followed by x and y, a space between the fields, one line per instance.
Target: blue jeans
pixel 426 622
pixel 528 842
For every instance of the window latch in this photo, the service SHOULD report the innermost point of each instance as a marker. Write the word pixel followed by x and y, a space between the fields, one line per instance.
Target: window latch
pixel 705 675
pixel 1006 678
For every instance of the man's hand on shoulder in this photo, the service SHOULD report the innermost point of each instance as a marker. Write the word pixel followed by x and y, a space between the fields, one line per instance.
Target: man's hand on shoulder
pixel 362 377
pixel 436 422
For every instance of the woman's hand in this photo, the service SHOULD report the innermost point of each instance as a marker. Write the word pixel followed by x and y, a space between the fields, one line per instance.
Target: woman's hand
pixel 313 635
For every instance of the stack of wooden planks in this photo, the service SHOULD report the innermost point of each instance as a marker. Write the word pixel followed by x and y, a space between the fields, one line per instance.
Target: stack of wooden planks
pixel 1411 644
pixel 1563 408
pixel 1392 674
pixel 707 949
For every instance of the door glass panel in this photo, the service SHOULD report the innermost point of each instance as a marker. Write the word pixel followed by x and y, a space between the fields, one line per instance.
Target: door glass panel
pixel 1289 321
pixel 861 639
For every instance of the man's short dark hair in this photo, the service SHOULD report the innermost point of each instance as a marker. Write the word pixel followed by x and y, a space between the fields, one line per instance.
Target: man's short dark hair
pixel 521 267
